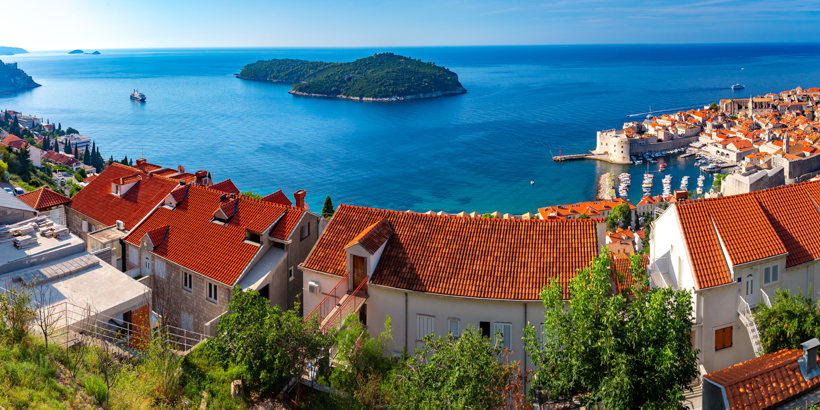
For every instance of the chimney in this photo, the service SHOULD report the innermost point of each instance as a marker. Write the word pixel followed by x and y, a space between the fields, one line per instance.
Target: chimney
pixel 181 169
pixel 141 163
pixel 299 197
pixel 808 363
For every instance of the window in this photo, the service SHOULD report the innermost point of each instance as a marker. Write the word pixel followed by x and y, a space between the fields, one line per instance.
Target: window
pixel 187 281
pixel 304 231
pixel 290 273
pixel 159 268
pixel 750 285
pixel 146 266
pixel 85 226
pixel 454 328
pixel 485 328
pixel 504 338
pixel 133 255
pixel 212 292
pixel 187 322
pixel 723 338
pixel 425 326
pixel 770 274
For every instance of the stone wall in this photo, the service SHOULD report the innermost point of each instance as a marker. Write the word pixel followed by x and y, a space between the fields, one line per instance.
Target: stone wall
pixel 10 216
pixel 75 224
pixel 735 184
pixel 795 169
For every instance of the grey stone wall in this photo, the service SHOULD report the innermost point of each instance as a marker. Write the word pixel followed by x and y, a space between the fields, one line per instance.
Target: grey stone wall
pixel 179 300
pixel 75 223
pixel 298 251
pixel 794 169
pixel 9 215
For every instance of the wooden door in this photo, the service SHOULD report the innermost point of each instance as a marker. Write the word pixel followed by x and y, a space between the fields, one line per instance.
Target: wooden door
pixel 359 271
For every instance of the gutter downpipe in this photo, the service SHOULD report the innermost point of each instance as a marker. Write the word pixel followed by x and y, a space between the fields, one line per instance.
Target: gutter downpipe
pixel 406 324
pixel 526 323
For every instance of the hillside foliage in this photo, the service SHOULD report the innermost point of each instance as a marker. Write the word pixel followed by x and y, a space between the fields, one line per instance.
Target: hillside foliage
pixel 383 75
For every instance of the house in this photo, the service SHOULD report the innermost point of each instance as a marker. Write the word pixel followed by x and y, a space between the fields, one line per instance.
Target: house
pixel 12 209
pixel 632 240
pixel 787 379
pixel 202 242
pixel 592 209
pixel 733 252
pixel 60 158
pixel 35 155
pixel 72 279
pixel 650 204
pixel 435 274
pixel 75 141
pixel 48 202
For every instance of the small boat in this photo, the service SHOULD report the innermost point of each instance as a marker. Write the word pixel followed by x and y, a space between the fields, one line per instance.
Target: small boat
pixel 532 182
pixel 738 87
pixel 137 96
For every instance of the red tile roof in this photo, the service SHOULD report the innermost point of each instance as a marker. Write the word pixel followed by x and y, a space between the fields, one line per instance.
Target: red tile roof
pixel 193 241
pixel 127 180
pixel 591 208
pixel 226 186
pixel 158 235
pixel 43 198
pixel 185 176
pixel 751 227
pixel 764 381
pixel 622 272
pixel 470 257
pixel 374 236
pixel 97 202
pixel 279 198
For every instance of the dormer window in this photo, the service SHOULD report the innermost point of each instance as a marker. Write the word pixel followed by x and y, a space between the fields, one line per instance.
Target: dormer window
pixel 253 238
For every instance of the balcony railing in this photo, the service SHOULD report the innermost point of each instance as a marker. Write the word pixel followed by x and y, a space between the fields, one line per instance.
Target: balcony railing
pixel 764 297
pixel 329 302
pixel 352 304
pixel 659 273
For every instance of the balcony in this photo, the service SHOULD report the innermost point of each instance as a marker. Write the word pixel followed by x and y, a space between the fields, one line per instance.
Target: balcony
pixel 659 276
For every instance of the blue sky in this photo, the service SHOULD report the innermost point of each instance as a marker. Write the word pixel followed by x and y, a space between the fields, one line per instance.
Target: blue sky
pixel 97 24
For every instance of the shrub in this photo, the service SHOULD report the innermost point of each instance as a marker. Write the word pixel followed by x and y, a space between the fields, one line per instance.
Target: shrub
pixel 95 387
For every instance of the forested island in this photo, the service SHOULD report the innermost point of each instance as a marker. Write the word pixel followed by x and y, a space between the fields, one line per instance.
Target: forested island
pixel 381 77
pixel 7 51
pixel 14 79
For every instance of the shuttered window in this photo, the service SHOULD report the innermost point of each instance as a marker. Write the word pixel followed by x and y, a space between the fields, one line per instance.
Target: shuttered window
pixel 425 326
pixel 723 338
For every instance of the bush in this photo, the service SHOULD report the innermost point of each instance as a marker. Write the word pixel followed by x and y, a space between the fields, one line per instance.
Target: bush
pixel 792 319
pixel 95 387
pixel 163 369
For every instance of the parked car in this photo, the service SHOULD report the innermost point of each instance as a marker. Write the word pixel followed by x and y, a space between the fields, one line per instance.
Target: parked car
pixel 18 191
pixel 9 191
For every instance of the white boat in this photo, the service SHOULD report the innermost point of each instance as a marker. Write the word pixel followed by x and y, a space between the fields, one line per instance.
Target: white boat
pixel 137 96
pixel 738 86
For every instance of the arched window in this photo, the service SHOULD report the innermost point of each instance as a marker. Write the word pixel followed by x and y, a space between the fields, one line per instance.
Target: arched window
pixel 750 285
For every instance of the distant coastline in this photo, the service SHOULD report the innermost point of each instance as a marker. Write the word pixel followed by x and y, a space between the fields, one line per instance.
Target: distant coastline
pixel 8 51
pixel 380 78
pixel 13 79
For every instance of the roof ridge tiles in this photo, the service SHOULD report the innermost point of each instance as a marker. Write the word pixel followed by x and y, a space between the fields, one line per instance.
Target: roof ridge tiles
pixel 259 201
pixel 568 220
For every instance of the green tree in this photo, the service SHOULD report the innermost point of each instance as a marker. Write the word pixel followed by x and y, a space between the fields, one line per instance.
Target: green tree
pixel 59 126
pixel 468 372
pixel 791 320
pixel 625 354
pixel 251 194
pixel 74 190
pixel 583 216
pixel 3 169
pixel 266 345
pixel 70 130
pixel 25 166
pixel 620 217
pixel 718 181
pixel 714 107
pixel 327 208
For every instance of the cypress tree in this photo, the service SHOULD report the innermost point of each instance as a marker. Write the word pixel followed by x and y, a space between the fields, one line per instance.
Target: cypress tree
pixel 131 163
pixel 87 157
pixel 59 126
pixel 125 160
pixel 327 209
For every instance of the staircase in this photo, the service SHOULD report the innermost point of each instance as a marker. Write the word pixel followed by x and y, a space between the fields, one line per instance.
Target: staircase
pixel 746 317
pixel 338 304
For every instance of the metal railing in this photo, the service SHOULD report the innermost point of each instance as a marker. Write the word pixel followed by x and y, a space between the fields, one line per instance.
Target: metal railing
pixel 68 324
pixel 359 296
pixel 746 317
pixel 764 297
pixel 329 302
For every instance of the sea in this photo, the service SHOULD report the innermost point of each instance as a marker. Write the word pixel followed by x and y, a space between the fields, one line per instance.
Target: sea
pixel 487 150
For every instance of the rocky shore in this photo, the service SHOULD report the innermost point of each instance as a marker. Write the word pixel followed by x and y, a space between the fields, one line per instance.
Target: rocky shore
pixel 393 98
pixel 13 79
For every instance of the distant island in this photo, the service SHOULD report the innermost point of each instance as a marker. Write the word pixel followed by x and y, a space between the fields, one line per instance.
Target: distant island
pixel 381 77
pixel 14 79
pixel 81 52
pixel 8 51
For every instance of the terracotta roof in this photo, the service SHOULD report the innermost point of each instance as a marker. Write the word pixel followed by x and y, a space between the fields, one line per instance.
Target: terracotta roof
pixel 764 381
pixel 158 235
pixel 225 186
pixel 127 180
pixel 97 202
pixel 90 178
pixel 753 226
pixel 43 198
pixel 591 208
pixel 193 241
pixel 284 228
pixel 374 236
pixel 165 172
pixel 471 257
pixel 185 176
pixel 266 219
pixel 279 198
pixel 622 272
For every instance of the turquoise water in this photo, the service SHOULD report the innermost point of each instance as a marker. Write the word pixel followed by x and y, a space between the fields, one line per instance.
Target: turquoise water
pixel 472 152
